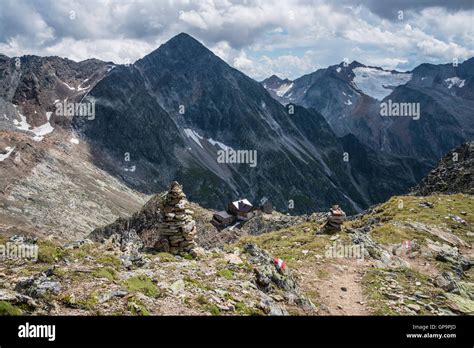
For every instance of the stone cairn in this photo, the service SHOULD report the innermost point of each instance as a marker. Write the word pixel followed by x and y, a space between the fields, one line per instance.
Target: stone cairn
pixel 335 219
pixel 177 227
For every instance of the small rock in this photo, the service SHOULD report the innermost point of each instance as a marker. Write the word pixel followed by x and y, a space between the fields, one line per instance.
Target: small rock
pixel 392 296
pixel 233 259
pixel 278 298
pixel 343 288
pixel 270 307
pixel 177 286
pixel 77 244
pixel 445 282
pixel 457 219
pixel 414 307
pixel 426 204
pixel 323 307
pixel 198 252
pixel 16 298
pixel 225 307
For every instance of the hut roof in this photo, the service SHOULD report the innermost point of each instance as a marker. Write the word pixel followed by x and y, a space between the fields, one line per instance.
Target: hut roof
pixel 243 205
pixel 223 214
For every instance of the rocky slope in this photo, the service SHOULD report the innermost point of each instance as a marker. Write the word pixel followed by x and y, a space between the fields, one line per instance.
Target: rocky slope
pixel 31 85
pixel 416 259
pixel 48 184
pixel 454 173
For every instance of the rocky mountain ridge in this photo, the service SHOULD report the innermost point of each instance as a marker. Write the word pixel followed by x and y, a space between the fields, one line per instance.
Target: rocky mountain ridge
pixel 350 96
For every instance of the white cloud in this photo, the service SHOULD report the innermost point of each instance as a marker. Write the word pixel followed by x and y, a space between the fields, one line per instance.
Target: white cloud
pixel 260 37
pixel 387 63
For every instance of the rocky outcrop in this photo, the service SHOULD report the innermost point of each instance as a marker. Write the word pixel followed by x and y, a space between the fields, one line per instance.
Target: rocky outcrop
pixel 454 174
pixel 165 223
pixel 143 222
pixel 39 285
pixel 271 277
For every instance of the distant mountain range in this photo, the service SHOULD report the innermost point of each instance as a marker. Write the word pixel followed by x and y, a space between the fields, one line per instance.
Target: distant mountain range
pixel 172 114
pixel 349 96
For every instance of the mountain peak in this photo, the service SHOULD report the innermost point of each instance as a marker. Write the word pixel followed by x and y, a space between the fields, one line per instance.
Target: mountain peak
pixel 272 79
pixel 182 38
pixel 182 47
pixel 356 64
pixel 182 42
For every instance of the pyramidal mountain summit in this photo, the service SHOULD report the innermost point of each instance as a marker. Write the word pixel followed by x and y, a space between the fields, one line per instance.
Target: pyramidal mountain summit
pixel 189 104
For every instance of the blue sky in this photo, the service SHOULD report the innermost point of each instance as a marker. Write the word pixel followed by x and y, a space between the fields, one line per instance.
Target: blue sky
pixel 288 38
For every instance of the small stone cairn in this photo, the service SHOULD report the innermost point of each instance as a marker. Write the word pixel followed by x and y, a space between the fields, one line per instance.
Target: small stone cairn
pixel 177 227
pixel 334 220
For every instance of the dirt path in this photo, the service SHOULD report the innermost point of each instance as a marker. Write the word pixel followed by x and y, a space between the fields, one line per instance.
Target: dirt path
pixel 338 285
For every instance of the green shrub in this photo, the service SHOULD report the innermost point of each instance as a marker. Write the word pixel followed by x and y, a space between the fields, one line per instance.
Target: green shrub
pixel 226 273
pixel 107 273
pixel 6 308
pixel 48 252
pixel 142 284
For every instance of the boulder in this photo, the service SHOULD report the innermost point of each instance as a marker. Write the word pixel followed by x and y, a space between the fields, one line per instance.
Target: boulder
pixel 445 281
pixel 460 304
pixel 39 285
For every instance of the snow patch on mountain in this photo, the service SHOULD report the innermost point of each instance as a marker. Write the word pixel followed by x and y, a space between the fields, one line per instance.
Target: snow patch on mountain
pixel 455 81
pixel 39 131
pixel 22 124
pixel 71 88
pixel 377 83
pixel 198 139
pixel 283 89
pixel 193 135
pixel 218 143
pixel 9 150
pixel 83 88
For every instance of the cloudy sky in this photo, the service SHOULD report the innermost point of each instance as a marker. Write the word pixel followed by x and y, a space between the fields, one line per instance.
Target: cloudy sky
pixel 284 37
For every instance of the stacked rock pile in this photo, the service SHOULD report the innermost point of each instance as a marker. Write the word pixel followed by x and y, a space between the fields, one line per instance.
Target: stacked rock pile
pixel 177 227
pixel 335 219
